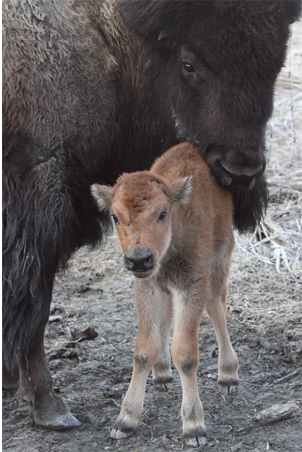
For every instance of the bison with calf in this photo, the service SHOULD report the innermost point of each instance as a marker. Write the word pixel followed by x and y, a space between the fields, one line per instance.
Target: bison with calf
pixel 95 88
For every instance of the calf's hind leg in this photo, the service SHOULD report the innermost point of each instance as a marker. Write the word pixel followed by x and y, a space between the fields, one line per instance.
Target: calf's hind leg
pixel 185 355
pixel 227 358
pixel 162 373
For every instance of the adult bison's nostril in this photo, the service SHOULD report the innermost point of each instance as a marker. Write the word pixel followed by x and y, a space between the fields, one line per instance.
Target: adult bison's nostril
pixel 236 182
pixel 237 174
pixel 140 261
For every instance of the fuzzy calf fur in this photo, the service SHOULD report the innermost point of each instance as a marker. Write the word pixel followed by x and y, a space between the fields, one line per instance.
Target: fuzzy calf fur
pixel 174 225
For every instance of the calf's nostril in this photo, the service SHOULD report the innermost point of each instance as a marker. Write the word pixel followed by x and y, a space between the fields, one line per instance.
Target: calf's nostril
pixel 128 263
pixel 148 262
pixel 139 260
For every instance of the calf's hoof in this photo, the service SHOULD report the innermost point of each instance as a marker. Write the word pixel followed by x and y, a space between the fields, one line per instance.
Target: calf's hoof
pixel 123 429
pixel 163 380
pixel 228 386
pixel 163 383
pixel 118 434
pixel 196 437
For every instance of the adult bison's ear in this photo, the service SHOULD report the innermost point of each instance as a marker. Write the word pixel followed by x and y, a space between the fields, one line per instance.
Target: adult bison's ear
pixel 181 189
pixel 103 195
pixel 293 9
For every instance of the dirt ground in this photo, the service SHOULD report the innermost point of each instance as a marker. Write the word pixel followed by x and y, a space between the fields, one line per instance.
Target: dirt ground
pixel 89 344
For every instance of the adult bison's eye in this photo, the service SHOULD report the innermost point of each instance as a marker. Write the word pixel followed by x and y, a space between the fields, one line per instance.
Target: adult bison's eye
pixel 162 216
pixel 115 219
pixel 188 67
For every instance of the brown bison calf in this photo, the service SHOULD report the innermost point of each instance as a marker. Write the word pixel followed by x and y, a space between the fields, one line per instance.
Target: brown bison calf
pixel 174 224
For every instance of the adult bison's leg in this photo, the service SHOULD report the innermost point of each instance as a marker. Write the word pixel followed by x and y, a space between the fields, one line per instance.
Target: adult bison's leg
pixel 10 375
pixel 47 408
pixel 35 383
pixel 185 356
pixel 227 360
pixel 37 212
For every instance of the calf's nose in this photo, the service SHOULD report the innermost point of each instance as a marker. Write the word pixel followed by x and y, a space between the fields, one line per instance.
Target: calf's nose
pixel 139 259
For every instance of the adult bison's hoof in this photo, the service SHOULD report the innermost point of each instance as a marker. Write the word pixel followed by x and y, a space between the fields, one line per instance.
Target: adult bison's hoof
pixel 196 437
pixel 60 422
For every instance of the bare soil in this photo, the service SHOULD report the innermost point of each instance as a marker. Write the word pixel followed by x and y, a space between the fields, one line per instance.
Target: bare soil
pixel 91 335
pixel 92 373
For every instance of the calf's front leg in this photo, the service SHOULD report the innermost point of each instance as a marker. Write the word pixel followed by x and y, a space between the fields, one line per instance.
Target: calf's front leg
pixel 152 311
pixel 144 357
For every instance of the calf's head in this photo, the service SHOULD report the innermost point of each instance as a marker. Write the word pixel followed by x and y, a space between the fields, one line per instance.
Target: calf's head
pixel 141 205
pixel 215 65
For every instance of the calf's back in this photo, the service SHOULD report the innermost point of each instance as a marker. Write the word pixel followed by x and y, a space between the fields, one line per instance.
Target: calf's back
pixel 202 233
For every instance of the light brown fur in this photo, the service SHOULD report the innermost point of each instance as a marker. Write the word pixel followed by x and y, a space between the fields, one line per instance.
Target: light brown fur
pixel 192 249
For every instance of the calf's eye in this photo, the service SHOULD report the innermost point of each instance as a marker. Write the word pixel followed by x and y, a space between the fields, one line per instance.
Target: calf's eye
pixel 162 216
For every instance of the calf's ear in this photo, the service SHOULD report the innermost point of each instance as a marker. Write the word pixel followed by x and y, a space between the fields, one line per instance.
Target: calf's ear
pixel 103 195
pixel 181 189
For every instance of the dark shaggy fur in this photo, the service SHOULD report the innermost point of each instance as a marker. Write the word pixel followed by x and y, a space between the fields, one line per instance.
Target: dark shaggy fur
pixel 84 100
pixel 46 216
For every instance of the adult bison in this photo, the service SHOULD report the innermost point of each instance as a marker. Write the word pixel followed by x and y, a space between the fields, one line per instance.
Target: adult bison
pixel 84 100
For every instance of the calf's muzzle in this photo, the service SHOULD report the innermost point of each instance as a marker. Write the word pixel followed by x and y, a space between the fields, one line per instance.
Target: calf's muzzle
pixel 140 261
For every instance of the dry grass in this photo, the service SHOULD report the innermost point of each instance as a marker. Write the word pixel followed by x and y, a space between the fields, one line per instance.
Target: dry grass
pixel 278 240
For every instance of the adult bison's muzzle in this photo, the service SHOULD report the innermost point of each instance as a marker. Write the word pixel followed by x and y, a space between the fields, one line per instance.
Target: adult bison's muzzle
pixel 236 171
pixel 140 261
